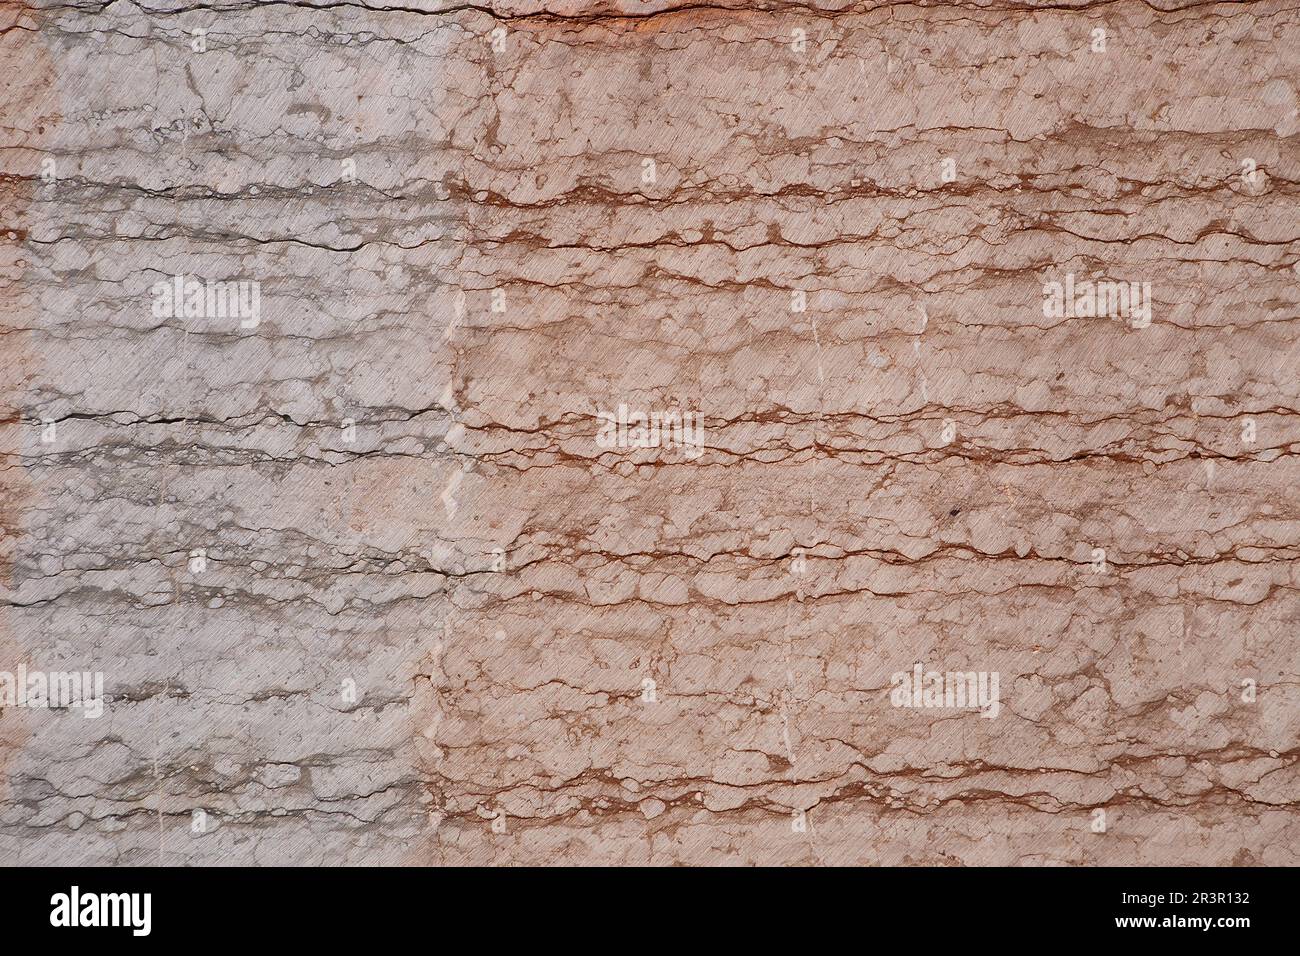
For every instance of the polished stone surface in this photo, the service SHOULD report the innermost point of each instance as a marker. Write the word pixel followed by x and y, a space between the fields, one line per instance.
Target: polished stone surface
pixel 969 337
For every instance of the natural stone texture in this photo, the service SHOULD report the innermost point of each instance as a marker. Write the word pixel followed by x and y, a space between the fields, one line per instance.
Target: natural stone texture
pixel 468 246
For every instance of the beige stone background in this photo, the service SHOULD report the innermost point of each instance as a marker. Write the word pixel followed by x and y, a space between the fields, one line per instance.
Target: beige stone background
pixel 497 586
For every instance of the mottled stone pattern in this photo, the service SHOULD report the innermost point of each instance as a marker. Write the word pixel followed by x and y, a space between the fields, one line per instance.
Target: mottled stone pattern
pixel 374 575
